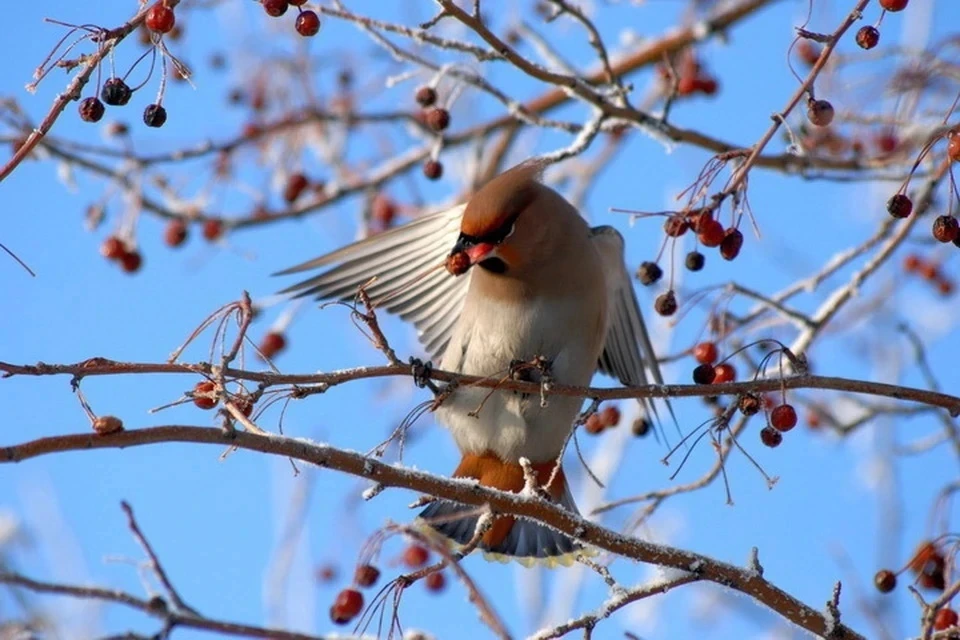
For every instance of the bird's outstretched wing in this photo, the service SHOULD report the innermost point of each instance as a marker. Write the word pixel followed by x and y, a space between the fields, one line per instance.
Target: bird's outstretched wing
pixel 628 353
pixel 405 266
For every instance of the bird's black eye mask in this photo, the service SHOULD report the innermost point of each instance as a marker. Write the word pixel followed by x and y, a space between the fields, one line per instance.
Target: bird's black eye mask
pixel 496 236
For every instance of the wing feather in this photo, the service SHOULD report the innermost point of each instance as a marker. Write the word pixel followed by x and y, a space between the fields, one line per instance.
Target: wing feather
pixel 402 268
pixel 628 352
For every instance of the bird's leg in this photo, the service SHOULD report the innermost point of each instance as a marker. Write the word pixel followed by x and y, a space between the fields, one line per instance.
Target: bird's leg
pixel 545 367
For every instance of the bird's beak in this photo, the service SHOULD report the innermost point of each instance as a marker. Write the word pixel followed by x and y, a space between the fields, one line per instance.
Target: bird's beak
pixel 476 251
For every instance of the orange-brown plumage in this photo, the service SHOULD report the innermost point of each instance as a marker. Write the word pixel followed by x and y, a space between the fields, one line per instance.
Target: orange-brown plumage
pixel 493 472
pixel 501 199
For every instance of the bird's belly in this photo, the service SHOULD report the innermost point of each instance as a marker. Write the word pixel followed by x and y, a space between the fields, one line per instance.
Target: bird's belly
pixel 508 423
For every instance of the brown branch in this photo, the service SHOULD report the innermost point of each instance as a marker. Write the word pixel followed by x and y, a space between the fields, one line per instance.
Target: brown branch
pixel 705 568
pixel 109 40
pixel 154 606
pixel 105 367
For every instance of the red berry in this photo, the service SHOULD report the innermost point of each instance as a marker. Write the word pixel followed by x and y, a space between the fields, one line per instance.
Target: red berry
pixel 113 248
pixel 666 303
pixel 808 52
pixel 894 5
pixel 297 3
pixel 199 395
pixel 160 18
pixel 710 232
pixel 912 262
pixel 308 23
pixel 212 229
pixel 594 425
pixel 438 119
pixel 783 418
pixel 91 109
pixel 704 374
pixel 435 582
pixel 885 581
pixel 433 169
pixel 708 86
pixel 275 8
pixel 296 185
pixel 771 437
pixel 686 85
pixel 426 96
pixel 706 352
pixel 868 37
pixel 175 234
pixel 945 619
pixel 887 143
pixel 415 556
pixel 953 144
pixel 820 113
pixel 899 205
pixel 946 228
pixel 272 344
pixel 366 575
pixel 724 373
pixel 731 243
pixel 131 261
pixel 383 210
pixel 347 606
pixel 326 573
pixel 610 416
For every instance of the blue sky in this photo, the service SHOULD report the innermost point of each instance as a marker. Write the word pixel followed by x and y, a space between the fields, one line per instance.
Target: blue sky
pixel 218 523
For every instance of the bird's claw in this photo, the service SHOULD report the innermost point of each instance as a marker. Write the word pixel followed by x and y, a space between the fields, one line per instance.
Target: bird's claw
pixel 420 371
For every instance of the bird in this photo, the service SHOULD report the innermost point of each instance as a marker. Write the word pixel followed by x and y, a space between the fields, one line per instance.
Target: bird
pixel 530 288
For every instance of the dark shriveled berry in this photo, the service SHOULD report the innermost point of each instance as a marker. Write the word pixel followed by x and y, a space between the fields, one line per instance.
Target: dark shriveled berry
pixel 649 272
pixel 899 206
pixel 433 170
pixel 426 96
pixel 704 374
pixel 366 575
pixel 820 113
pixel 438 119
pixel 868 37
pixel 771 437
pixel 731 244
pixel 154 115
pixel 749 404
pixel 694 261
pixel 946 228
pixel 640 427
pixel 675 226
pixel 91 109
pixel 115 92
pixel 666 304
pixel 885 581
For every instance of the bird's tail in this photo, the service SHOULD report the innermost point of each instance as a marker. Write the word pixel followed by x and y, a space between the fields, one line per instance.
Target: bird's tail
pixel 509 538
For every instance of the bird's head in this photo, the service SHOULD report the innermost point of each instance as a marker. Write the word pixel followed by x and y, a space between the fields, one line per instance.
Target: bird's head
pixel 503 228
